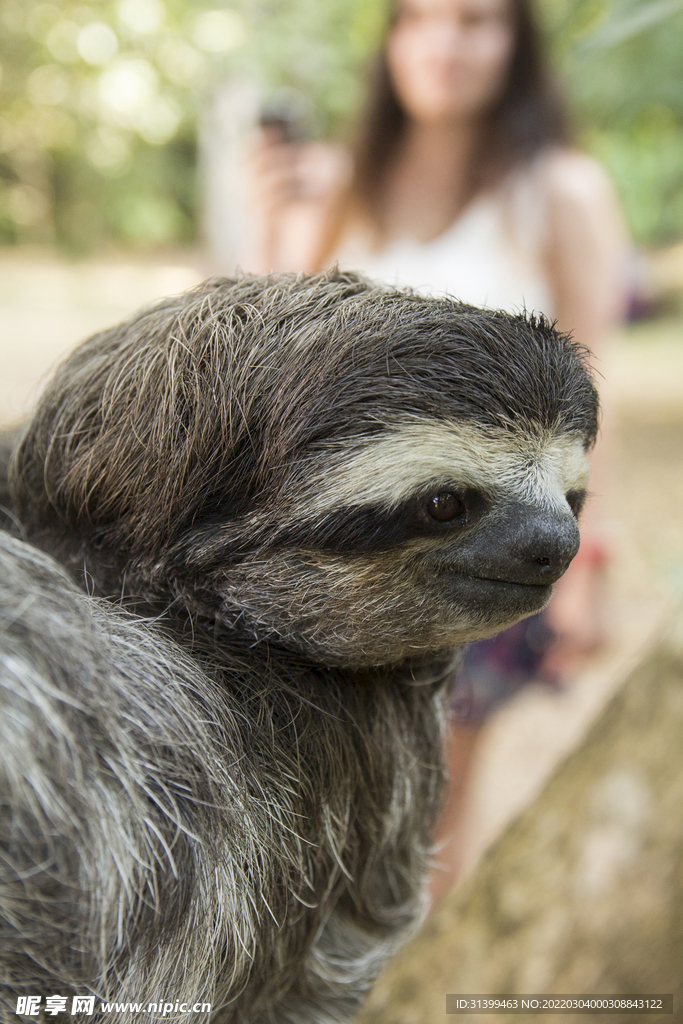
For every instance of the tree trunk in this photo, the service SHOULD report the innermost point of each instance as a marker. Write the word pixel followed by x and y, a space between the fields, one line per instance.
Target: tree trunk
pixel 584 892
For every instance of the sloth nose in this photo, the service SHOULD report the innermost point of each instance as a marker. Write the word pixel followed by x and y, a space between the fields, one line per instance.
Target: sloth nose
pixel 522 544
pixel 540 545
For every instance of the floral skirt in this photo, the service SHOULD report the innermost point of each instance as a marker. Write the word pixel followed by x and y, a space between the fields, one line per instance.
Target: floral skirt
pixel 493 670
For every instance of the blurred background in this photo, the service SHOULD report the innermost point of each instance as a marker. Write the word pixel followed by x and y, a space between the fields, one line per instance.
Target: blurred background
pixel 100 104
pixel 109 159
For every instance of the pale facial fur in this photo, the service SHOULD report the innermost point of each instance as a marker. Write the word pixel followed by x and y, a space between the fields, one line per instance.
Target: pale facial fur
pixel 539 467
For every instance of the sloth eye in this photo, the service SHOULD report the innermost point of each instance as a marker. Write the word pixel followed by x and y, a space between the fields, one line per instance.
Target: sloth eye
pixel 445 506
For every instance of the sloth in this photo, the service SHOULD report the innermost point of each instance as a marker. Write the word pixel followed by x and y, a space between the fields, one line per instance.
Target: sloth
pixel 319 488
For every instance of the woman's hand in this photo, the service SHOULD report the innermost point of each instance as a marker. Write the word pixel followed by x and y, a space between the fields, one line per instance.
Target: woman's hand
pixel 273 183
pixel 289 188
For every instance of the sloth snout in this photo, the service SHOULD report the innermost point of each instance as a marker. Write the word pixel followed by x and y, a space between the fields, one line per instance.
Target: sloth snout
pixel 524 544
pixel 542 545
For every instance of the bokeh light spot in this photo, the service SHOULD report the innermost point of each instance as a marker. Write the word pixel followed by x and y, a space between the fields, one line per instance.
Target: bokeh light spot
pixel 219 31
pixel 141 17
pixel 48 85
pixel 158 122
pixel 128 86
pixel 180 62
pixel 108 150
pixel 97 43
pixel 61 41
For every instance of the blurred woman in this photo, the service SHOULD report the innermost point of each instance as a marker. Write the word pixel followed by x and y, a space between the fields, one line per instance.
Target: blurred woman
pixel 464 179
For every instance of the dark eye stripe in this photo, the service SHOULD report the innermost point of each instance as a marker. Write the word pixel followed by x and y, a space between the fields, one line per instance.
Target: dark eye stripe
pixel 576 500
pixel 352 530
pixel 373 528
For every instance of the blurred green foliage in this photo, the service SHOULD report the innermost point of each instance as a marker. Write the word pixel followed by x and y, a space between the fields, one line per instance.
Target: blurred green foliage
pixel 97 117
pixel 622 62
pixel 99 101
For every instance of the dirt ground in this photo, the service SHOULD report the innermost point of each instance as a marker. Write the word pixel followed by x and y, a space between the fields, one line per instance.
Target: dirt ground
pixel 47 305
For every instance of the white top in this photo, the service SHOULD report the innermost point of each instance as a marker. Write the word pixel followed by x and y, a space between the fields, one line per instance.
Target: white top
pixel 490 256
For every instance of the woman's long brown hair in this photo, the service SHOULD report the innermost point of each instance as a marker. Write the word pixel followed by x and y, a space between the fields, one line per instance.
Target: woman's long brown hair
pixel 529 116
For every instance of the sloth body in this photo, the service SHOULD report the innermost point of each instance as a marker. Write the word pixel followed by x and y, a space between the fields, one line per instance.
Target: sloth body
pixel 182 835
pixel 321 488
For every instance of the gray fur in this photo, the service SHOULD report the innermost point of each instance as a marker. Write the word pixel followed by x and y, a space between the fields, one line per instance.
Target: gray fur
pixel 8 442
pixel 158 842
pixel 170 464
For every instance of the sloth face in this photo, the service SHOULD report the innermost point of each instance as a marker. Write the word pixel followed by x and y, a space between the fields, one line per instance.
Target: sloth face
pixel 424 538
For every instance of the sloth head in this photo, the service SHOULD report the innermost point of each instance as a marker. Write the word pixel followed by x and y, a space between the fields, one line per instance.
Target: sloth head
pixel 351 472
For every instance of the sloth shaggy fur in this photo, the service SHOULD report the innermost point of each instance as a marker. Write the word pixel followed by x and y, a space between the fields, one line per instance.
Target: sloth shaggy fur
pixel 253 463
pixel 161 837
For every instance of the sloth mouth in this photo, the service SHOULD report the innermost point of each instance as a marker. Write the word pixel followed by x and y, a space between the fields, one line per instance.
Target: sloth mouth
pixel 453 573
pixel 504 583
pixel 490 593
